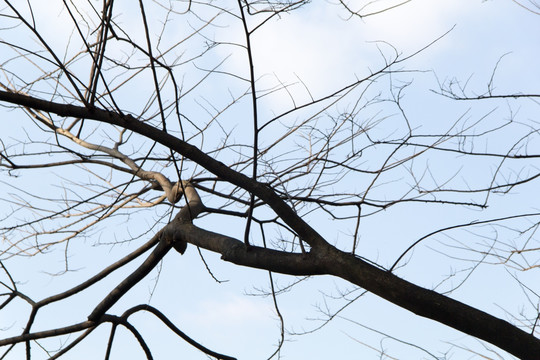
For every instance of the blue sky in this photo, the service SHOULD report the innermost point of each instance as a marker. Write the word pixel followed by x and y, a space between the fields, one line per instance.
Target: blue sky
pixel 316 46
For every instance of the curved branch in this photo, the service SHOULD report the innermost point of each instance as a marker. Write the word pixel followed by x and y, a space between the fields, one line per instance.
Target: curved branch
pixel 306 232
pixel 139 338
pixel 176 330
pixel 322 259
pixel 170 189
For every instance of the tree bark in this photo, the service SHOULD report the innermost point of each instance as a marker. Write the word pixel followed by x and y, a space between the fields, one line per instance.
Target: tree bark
pixel 322 259
pixel 432 305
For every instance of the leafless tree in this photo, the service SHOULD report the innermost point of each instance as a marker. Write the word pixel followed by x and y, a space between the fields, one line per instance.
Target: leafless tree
pixel 126 120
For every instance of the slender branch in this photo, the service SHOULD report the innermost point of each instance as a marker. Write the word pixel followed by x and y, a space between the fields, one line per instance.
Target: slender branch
pixel 48 333
pixel 176 330
pixel 322 259
pixel 148 265
pixel 255 115
pixel 306 232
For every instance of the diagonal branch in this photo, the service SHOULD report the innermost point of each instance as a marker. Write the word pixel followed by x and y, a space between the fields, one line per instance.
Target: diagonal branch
pixel 322 259
pixel 171 190
pixel 144 269
pixel 167 240
pixel 263 192
pixel 235 251
pixel 48 333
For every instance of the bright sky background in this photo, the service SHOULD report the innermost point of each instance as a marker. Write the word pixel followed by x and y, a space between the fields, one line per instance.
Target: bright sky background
pixel 323 51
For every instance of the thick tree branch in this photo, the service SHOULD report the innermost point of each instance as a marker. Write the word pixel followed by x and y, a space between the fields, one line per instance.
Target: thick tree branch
pixel 235 251
pixel 421 301
pixel 432 305
pixel 306 232
pixel 322 259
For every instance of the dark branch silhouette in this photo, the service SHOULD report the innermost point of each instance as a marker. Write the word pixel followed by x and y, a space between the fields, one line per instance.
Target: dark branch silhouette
pixel 130 121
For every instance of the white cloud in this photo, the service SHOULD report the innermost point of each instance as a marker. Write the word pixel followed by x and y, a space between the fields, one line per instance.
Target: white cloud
pixel 316 45
pixel 231 310
pixel 313 47
pixel 416 23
